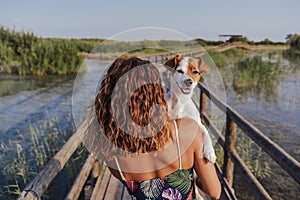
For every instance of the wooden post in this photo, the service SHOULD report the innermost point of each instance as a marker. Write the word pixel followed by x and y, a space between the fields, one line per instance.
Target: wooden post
pixel 228 166
pixel 155 58
pixel 96 169
pixel 202 104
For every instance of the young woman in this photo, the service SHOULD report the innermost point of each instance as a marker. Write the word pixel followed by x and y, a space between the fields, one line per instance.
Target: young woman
pixel 153 156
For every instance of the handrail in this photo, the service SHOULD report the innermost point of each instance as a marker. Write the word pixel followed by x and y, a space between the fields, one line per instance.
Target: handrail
pixel 286 161
pixel 260 192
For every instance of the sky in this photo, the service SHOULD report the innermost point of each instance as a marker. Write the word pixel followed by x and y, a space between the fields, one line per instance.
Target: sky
pixel 255 19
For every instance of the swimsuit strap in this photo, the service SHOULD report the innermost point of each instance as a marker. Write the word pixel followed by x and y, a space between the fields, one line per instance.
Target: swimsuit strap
pixel 118 166
pixel 178 146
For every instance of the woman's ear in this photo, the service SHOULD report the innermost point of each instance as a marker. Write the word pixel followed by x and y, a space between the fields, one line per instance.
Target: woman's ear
pixel 174 61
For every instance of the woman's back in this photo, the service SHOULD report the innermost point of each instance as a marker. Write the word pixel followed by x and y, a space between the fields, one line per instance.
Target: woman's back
pixel 174 178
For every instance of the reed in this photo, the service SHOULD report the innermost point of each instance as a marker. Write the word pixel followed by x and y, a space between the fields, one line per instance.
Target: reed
pixel 257 76
pixel 26 54
pixel 253 156
pixel 223 59
pixel 46 139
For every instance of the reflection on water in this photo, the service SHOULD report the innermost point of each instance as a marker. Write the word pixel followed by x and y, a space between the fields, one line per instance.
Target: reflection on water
pixel 10 84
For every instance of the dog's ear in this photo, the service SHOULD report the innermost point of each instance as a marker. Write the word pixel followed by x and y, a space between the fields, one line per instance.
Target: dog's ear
pixel 174 61
pixel 203 67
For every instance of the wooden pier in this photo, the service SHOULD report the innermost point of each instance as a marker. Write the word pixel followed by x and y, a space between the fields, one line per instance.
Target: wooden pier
pixel 105 186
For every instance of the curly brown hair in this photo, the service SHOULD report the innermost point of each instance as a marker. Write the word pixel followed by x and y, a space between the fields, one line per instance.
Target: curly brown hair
pixel 126 107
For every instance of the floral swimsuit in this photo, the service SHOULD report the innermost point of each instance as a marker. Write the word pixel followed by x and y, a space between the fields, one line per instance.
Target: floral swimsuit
pixel 176 186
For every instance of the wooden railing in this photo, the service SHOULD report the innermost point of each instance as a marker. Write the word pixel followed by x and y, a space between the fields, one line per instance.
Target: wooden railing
pixel 161 57
pixel 231 158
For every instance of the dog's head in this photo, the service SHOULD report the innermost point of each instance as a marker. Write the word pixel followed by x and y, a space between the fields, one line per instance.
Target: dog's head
pixel 187 72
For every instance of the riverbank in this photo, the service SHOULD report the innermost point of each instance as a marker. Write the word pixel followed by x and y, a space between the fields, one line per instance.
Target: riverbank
pixel 219 48
pixel 24 53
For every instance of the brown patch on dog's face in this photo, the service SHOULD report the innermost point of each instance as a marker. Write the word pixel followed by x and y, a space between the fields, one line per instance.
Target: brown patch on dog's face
pixel 196 68
pixel 173 63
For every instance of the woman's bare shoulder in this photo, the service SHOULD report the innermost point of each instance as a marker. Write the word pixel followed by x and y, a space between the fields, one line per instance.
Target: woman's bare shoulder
pixel 189 129
pixel 187 124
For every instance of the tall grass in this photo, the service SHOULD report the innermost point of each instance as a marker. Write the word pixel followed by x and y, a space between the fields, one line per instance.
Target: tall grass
pixel 21 162
pixel 223 59
pixel 257 76
pixel 292 53
pixel 24 53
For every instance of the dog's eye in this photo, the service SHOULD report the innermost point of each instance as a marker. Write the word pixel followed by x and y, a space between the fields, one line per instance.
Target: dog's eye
pixel 196 72
pixel 180 71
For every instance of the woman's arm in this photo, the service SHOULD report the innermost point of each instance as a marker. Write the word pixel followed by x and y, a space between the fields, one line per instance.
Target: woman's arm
pixel 207 178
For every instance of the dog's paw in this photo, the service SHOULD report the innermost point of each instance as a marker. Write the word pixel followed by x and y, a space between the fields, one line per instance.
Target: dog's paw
pixel 211 156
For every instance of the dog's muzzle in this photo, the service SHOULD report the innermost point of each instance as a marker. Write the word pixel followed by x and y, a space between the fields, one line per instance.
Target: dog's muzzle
pixel 188 82
pixel 185 90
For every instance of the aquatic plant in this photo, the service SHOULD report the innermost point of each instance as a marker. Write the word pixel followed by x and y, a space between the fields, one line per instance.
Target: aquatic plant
pixel 222 59
pixel 257 76
pixel 26 161
pixel 253 156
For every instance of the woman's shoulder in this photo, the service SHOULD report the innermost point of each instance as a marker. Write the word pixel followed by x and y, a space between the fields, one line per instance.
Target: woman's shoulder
pixel 189 129
pixel 186 121
pixel 188 125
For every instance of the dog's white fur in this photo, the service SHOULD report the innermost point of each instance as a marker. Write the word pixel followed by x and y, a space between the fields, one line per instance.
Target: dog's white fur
pixel 180 104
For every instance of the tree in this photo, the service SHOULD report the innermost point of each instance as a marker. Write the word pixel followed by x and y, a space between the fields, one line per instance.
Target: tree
pixel 238 38
pixel 293 40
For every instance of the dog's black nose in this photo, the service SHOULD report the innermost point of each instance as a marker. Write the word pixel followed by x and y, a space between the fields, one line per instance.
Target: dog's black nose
pixel 188 82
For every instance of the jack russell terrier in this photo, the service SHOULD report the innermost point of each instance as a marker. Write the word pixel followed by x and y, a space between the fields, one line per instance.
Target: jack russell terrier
pixel 186 76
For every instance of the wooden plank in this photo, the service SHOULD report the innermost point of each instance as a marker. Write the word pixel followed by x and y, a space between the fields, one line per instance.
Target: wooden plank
pixel 286 161
pixel 125 194
pixel 96 169
pixel 115 189
pixel 81 178
pixel 101 185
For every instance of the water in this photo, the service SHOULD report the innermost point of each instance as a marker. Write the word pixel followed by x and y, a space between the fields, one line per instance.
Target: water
pixel 31 101
pixel 273 108
pixel 276 112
